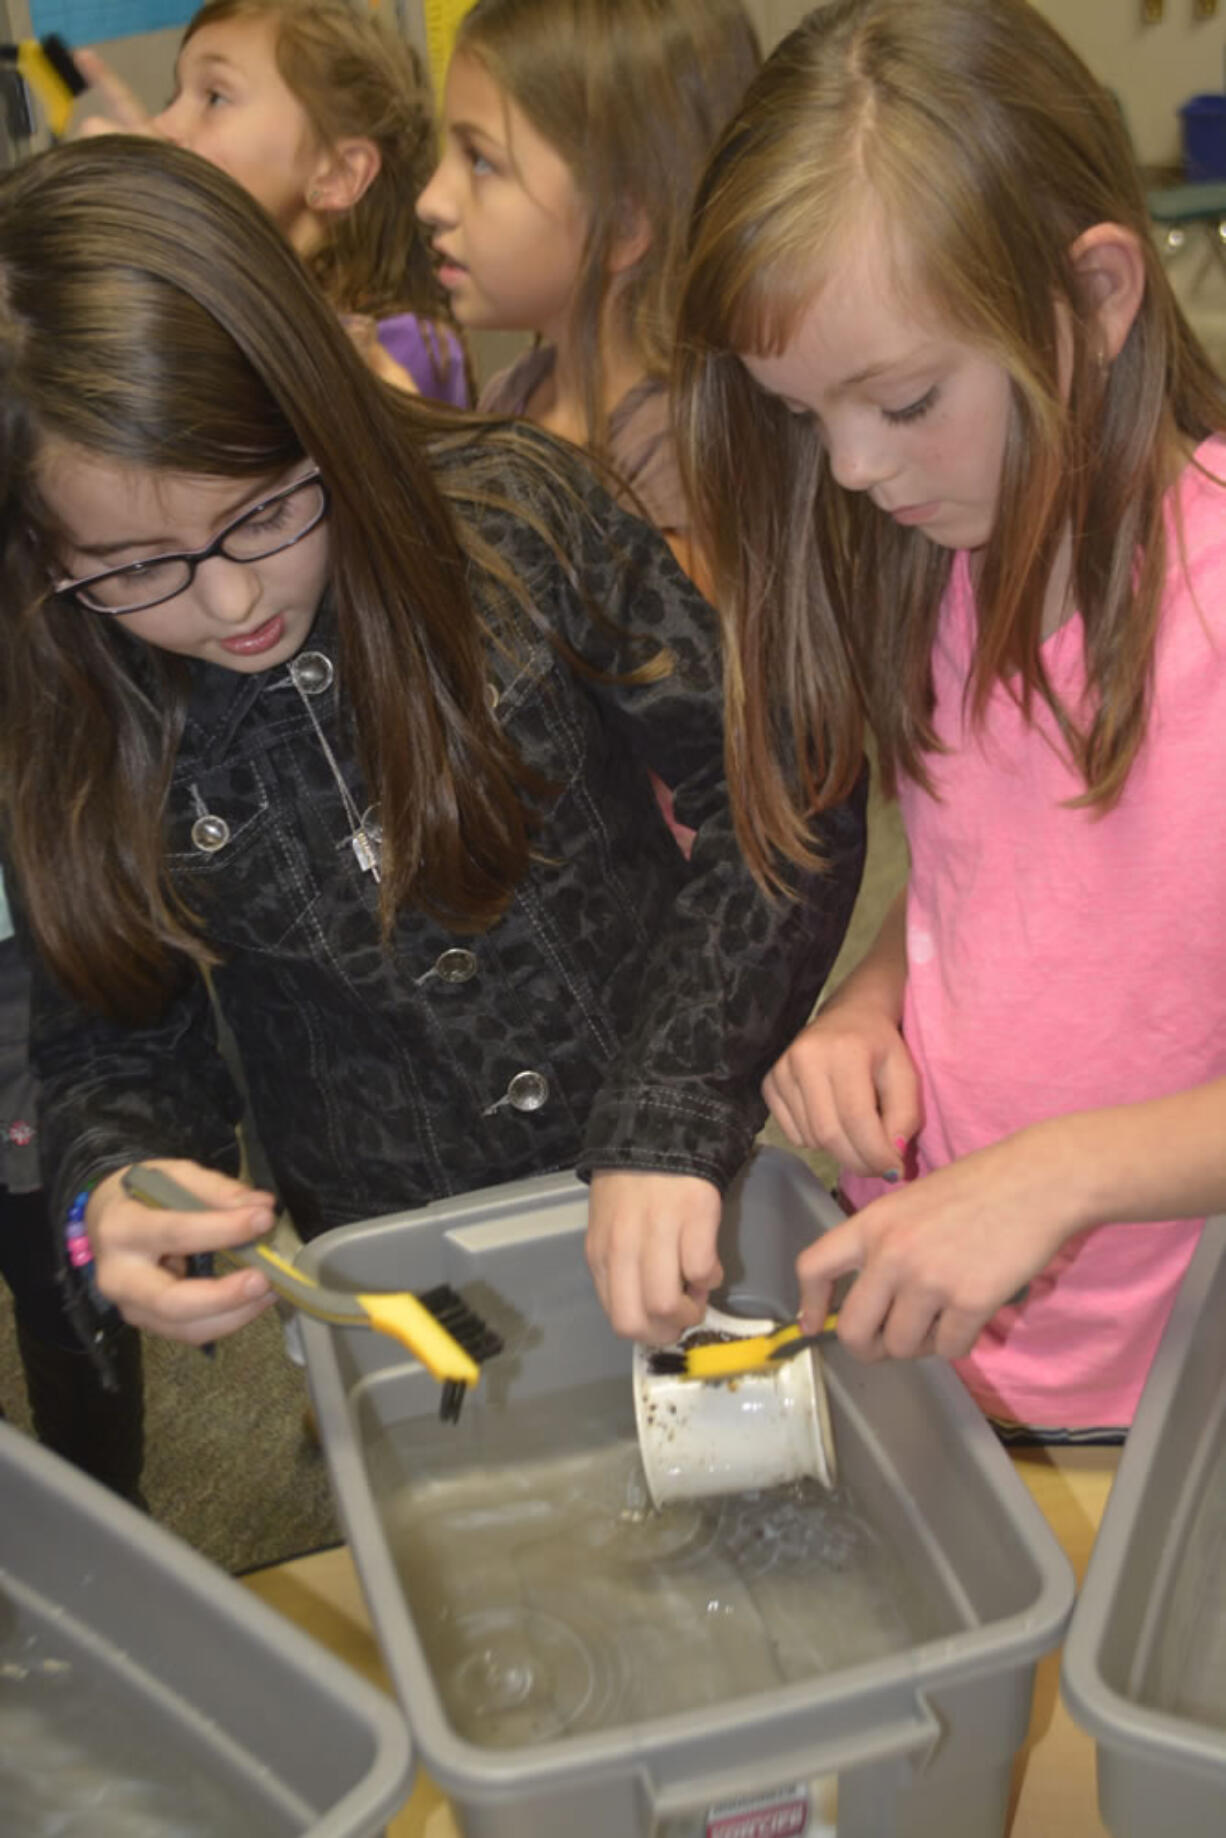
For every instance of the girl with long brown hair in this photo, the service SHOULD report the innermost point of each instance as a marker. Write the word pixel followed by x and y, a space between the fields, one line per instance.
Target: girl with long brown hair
pixel 352 701
pixel 575 133
pixel 959 462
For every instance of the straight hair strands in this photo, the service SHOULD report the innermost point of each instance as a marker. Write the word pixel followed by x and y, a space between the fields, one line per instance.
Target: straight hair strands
pixel 632 94
pixel 151 314
pixel 986 148
pixel 354 77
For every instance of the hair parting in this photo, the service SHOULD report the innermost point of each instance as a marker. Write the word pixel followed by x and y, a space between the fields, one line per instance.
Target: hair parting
pixel 986 149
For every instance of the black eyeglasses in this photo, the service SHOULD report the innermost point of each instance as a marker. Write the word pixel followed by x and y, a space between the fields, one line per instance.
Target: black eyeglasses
pixel 275 523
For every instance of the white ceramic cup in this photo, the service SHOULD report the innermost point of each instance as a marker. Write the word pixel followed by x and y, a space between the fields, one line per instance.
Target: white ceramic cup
pixel 761 1429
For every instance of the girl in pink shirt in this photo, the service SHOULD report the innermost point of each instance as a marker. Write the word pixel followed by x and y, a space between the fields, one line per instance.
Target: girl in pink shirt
pixel 958 464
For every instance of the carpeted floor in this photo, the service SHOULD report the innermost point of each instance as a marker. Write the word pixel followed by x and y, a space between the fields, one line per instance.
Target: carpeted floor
pixel 228 1463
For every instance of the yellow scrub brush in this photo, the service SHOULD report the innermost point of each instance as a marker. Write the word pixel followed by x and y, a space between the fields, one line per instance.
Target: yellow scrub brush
pixel 49 68
pixel 721 1356
pixel 438 1328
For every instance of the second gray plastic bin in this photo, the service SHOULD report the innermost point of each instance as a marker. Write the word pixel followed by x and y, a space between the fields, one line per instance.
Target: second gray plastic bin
pixel 144 1693
pixel 922 1740
pixel 1145 1662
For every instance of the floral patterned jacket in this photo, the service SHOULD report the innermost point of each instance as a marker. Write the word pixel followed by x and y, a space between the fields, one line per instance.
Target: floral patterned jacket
pixel 621 1014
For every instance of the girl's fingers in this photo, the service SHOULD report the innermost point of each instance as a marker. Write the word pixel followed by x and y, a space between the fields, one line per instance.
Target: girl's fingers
pixel 781 1110
pixel 834 1254
pixel 126 107
pixel 910 1327
pixel 956 1333
pixel 203 1330
pixel 881 1116
pixel 902 1106
pixel 140 1231
pixel 195 1309
pixel 701 1269
pixel 623 1297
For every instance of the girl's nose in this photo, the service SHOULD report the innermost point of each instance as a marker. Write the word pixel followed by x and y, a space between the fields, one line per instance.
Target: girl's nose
pixel 227 591
pixel 434 205
pixel 860 457
pixel 171 123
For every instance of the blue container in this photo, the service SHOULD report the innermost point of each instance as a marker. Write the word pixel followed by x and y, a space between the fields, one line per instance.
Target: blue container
pixel 1203 120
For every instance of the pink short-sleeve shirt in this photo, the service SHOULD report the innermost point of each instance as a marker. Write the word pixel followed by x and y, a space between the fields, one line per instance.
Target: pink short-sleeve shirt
pixel 1060 961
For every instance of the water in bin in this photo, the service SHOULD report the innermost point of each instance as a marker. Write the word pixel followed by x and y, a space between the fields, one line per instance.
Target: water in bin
pixel 552 1598
pixel 77 1764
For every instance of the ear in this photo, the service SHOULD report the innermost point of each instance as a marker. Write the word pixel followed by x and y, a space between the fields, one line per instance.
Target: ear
pixel 345 173
pixel 1110 270
pixel 631 242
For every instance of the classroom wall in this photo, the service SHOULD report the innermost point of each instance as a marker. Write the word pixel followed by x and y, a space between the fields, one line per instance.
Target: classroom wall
pixel 1153 68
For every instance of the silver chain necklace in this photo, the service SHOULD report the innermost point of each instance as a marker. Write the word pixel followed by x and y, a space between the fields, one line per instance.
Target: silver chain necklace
pixel 366 833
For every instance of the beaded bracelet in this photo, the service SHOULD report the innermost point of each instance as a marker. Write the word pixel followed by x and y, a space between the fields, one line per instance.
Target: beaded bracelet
pixel 91 1314
pixel 76 1240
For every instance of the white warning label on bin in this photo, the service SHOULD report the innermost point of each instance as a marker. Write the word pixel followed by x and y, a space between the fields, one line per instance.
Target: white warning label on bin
pixel 782 1814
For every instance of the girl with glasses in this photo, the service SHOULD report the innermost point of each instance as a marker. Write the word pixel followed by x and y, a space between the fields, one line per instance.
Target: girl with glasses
pixel 353 704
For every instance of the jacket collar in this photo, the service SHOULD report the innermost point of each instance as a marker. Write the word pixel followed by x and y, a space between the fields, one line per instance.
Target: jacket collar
pixel 220 700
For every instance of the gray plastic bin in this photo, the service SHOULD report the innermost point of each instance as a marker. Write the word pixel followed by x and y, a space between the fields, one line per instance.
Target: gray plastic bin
pixel 144 1693
pixel 1144 1667
pixel 922 1742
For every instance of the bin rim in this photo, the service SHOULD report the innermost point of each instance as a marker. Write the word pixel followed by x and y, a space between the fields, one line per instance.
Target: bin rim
pixel 241 1613
pixel 1109 1714
pixel 1011 1641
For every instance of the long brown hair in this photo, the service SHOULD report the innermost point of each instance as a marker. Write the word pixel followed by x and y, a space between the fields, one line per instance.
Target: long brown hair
pixel 987 148
pixel 355 77
pixel 632 94
pixel 150 313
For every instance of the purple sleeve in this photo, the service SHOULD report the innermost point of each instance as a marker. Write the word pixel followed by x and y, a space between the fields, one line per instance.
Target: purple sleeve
pixel 431 354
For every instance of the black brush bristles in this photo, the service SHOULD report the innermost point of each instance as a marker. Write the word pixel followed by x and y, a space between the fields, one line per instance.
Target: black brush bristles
pixel 469 1331
pixel 63 64
pixel 463 1323
pixel 667 1364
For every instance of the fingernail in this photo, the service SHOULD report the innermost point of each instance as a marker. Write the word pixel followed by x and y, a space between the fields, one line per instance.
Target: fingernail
pixel 261 1222
pixel 254 1284
pixel 893 1175
pixel 900 1143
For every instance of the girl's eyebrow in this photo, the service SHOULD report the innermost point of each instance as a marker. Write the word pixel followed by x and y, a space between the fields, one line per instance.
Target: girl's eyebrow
pixel 103 549
pixel 213 60
pixel 472 132
pixel 914 360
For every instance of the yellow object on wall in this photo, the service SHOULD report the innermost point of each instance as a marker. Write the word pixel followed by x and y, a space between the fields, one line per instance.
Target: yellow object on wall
pixel 442 19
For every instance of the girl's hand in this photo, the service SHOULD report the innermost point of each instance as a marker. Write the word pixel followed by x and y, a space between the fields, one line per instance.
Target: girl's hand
pixel 126 114
pixel 140 1255
pixel 848 1085
pixel 937 1258
pixel 651 1250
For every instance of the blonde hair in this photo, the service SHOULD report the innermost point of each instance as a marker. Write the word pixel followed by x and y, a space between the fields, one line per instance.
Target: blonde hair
pixel 632 94
pixel 353 77
pixel 985 146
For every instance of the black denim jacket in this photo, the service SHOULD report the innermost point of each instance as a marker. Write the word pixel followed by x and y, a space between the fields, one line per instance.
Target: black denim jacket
pixel 621 1014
